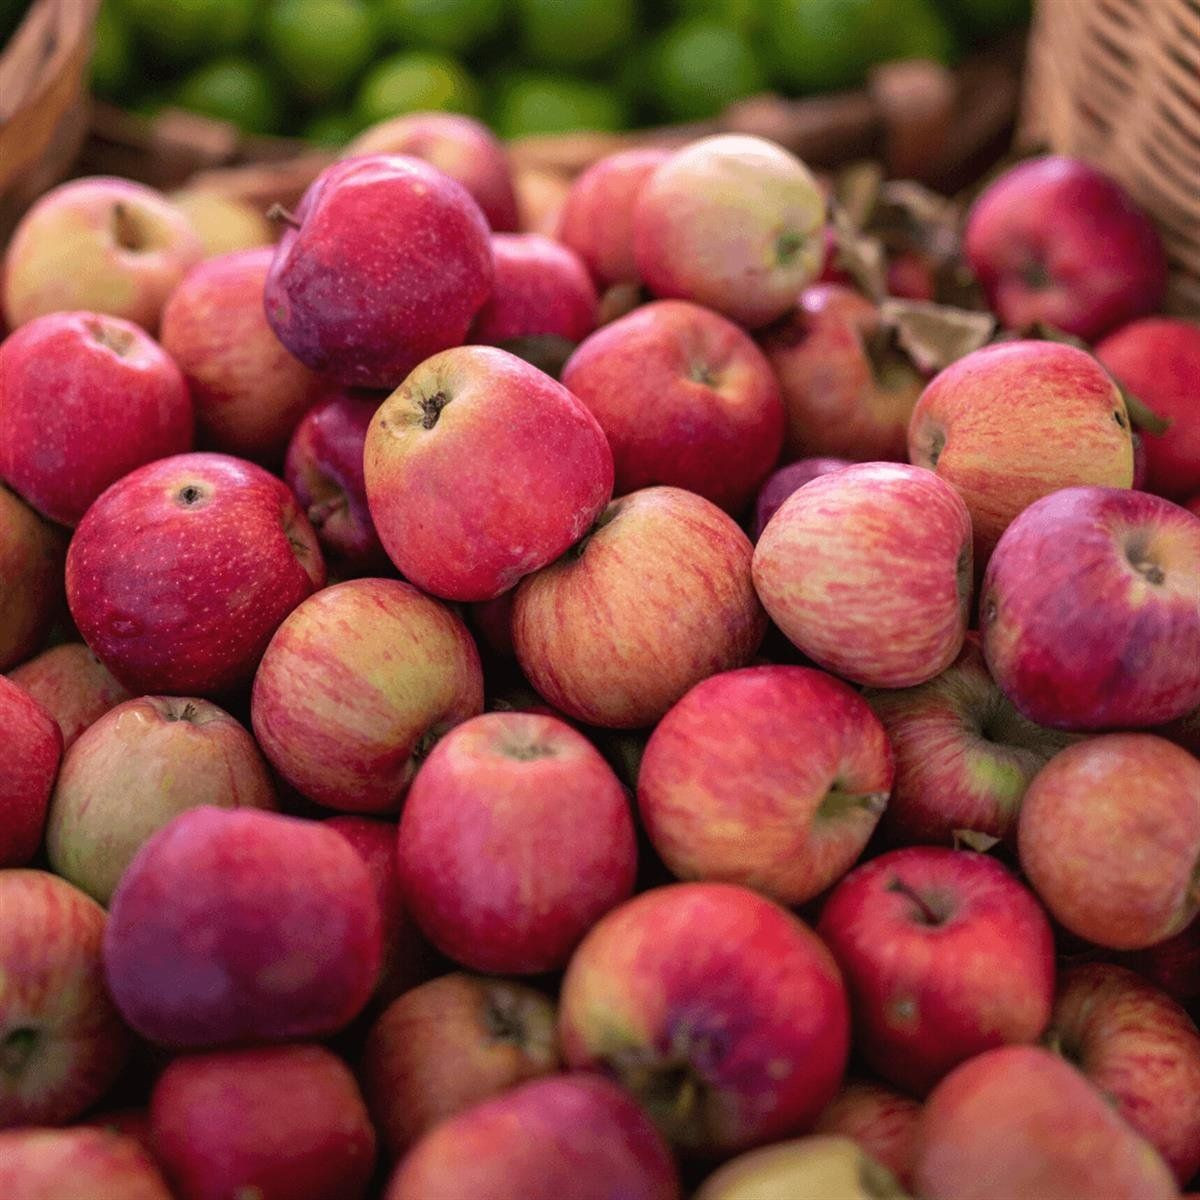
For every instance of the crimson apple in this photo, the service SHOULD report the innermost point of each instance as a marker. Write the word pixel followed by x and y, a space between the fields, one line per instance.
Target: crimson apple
pixel 277 1122
pixel 685 399
pixel 1011 423
pixel 723 1013
pixel 31 566
pixel 481 469
pixel 571 1135
pixel 1158 359
pixel 867 571
pixel 461 147
pixel 883 1123
pixel 33 746
pixel 62 1043
pixel 844 396
pixel 239 925
pixel 773 777
pixel 516 837
pixel 1088 610
pixel 657 597
pixel 450 1044
pixel 181 571
pixel 348 295
pixel 73 686
pixel 1109 837
pixel 1021 1123
pixel 99 244
pixel 1055 240
pixel 356 686
pixel 733 222
pixel 76 1164
pixel 84 399
pixel 137 767
pixel 249 392
pixel 596 219
pixel 780 484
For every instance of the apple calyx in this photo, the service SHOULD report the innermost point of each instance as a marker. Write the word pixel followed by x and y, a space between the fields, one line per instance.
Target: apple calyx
pixel 431 408
pixel 16 1049
pixel 788 246
pixel 505 1016
pixel 192 495
pixel 278 213
pixel 119 341
pixel 187 711
pixel 1138 555
pixel 929 911
pixel 671 1090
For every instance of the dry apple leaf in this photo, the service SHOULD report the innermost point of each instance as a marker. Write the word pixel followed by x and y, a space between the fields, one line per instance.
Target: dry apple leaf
pixel 935 335
pixel 973 839
pixel 861 257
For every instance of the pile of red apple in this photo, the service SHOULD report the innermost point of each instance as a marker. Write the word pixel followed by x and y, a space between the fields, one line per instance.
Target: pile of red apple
pixel 430 790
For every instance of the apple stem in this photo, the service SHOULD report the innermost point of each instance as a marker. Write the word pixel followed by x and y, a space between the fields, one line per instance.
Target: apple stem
pixel 277 212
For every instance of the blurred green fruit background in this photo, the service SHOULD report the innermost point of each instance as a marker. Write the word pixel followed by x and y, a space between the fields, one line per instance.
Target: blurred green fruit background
pixel 324 69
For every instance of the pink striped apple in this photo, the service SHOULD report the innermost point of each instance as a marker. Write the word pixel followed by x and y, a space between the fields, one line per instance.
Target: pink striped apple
pixel 31 587
pixel 73 686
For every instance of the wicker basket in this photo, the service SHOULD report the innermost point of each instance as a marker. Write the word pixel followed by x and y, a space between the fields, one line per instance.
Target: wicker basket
pixel 1118 82
pixel 43 101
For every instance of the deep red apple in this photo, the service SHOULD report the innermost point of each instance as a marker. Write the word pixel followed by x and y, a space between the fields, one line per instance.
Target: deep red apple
pixel 1172 965
pixel 62 1043
pixel 348 294
pixel 1056 240
pixel 357 685
pixel 324 468
pixel 73 686
pixel 1088 610
pixel 881 1121
pixel 723 1013
pixel 31 566
pixel 1158 359
pixel 249 392
pixel 780 484
pixel 84 399
pixel 1109 838
pixel 685 399
pixel 449 1044
pixel 32 749
pixel 657 597
pixel 181 572
pixel 277 1122
pixel 772 777
pixel 480 469
pixel 516 837
pixel 74 1164
pixel 237 926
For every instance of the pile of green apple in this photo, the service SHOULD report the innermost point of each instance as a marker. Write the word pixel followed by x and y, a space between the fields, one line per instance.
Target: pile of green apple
pixel 325 69
pixel 609 716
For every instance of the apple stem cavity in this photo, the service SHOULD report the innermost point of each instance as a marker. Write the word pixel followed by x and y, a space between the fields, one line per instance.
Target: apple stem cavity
pixel 501 1016
pixel 926 912
pixel 282 215
pixel 126 231
pixel 16 1050
pixel 837 803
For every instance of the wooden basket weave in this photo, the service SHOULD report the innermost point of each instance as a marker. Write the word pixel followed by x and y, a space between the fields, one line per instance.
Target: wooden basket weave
pixel 1118 82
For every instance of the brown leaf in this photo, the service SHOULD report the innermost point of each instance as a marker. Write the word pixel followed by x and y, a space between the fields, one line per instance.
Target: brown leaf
pixel 935 335
pixel 973 839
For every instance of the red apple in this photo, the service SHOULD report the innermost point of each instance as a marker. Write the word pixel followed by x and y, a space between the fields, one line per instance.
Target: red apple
pixel 1011 423
pixel 735 223
pixel 249 392
pixel 573 1135
pixel 32 749
pixel 491 621
pixel 357 685
pixel 102 244
pixel 1021 1123
pixel 685 399
pixel 62 1043
pixel 772 777
pixel 945 956
pixel 84 399
pixel 1109 837
pixel 463 148
pixel 135 769
pixel 481 469
pixel 1139 1048
pixel 276 1122
pixel 596 220
pixel 1158 359
pixel 408 959
pixel 31 564
pixel 780 484
pixel 912 275
pixel 1088 610
pixel 1172 964
pixel 868 572
pixel 449 1044
pixel 1054 240
pixel 655 599
pixel 542 290
pixel 236 926
pixel 76 1164
pixel 324 468
pixel 180 573
pixel 964 755
pixel 73 686
pixel 844 397
pixel 348 292
pixel 881 1121
pixel 723 1013
pixel 516 837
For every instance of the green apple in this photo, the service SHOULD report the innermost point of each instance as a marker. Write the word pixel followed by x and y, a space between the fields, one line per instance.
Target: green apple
pixel 189 30
pixel 699 66
pixel 535 103
pixel 456 26
pixel 415 81
pixel 319 46
pixel 236 90
pixel 112 52
pixel 332 128
pixel 572 33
